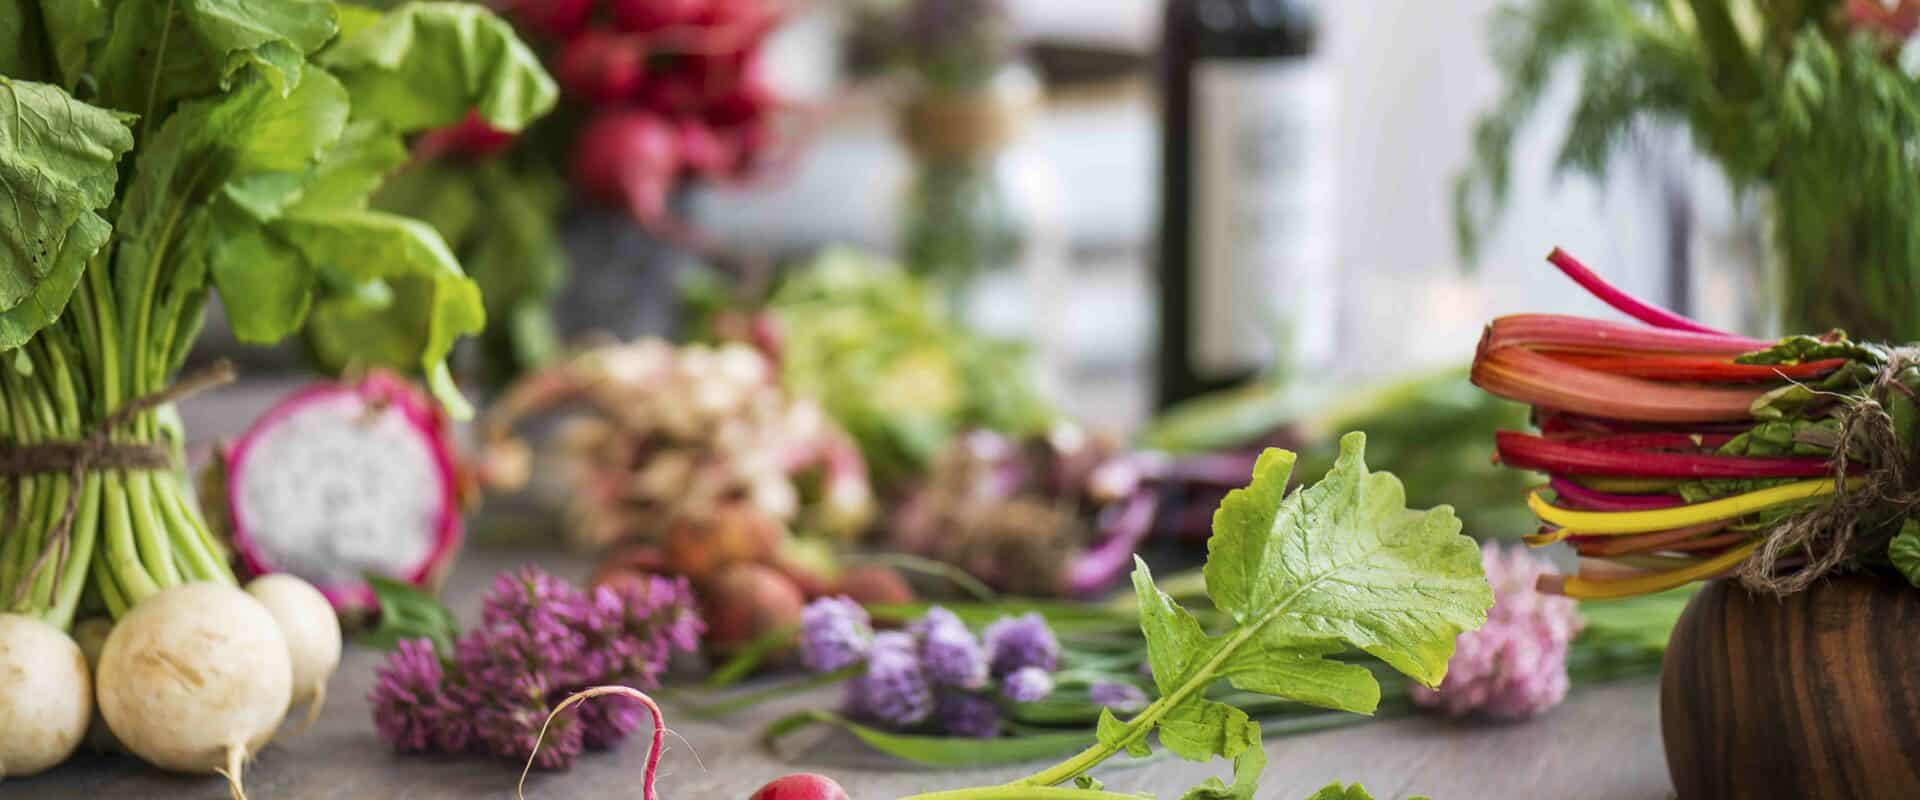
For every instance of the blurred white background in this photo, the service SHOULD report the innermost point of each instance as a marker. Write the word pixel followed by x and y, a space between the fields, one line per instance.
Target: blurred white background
pixel 1413 77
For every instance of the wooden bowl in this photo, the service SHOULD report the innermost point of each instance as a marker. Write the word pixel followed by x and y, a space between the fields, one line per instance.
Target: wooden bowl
pixel 1815 695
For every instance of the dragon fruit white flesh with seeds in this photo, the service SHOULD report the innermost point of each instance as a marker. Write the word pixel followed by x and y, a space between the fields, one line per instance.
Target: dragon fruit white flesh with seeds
pixel 339 480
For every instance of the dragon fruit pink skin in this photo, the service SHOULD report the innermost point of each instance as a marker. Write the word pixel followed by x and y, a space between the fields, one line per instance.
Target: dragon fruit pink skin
pixel 301 452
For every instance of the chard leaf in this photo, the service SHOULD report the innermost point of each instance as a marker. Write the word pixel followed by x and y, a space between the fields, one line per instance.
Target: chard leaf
pixel 425 65
pixel 58 165
pixel 1904 551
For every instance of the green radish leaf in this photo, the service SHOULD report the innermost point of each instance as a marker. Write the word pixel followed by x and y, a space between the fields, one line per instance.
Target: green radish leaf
pixel 59 162
pixel 935 751
pixel 407 612
pixel 273 36
pixel 1345 560
pixel 73 26
pixel 1340 564
pixel 1336 791
pixel 425 65
pixel 22 50
pixel 1904 551
pixel 396 296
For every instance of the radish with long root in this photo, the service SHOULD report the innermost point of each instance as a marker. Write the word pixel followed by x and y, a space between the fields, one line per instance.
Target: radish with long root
pixel 46 696
pixel 312 631
pixel 654 749
pixel 196 679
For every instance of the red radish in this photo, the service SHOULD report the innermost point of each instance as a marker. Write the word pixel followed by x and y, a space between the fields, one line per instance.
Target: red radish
pixel 602 68
pixel 746 101
pixel 671 94
pixel 628 157
pixel 559 19
pixel 339 480
pixel 801 786
pixel 745 601
pixel 646 16
pixel 472 137
pixel 704 150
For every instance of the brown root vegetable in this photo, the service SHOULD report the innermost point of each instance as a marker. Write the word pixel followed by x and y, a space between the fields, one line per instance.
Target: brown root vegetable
pixel 871 584
pixel 745 601
pixel 640 559
pixel 732 534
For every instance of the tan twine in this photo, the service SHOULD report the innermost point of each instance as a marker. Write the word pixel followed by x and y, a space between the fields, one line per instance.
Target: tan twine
pixel 1866 509
pixel 98 453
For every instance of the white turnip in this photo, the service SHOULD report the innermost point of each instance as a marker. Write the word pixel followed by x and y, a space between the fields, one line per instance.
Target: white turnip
pixel 196 679
pixel 45 696
pixel 312 632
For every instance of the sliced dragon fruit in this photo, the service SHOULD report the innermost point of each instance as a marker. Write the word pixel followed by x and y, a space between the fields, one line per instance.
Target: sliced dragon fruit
pixel 339 480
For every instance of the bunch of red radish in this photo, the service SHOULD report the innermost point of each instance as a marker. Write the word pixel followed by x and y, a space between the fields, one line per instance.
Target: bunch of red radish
pixel 670 90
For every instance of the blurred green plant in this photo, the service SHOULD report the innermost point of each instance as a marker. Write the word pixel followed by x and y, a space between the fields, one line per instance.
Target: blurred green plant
pixel 1807 100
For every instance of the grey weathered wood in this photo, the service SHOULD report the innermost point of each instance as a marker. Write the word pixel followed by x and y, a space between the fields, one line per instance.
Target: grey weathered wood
pixel 1605 743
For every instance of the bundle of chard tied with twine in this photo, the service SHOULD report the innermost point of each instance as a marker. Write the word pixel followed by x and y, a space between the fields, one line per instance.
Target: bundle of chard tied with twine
pixel 1675 452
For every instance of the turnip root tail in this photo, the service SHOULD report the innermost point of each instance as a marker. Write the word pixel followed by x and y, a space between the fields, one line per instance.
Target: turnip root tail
pixel 654 750
pixel 314 706
pixel 236 761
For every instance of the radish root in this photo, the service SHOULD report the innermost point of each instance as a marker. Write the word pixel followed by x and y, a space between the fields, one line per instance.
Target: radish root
pixel 314 707
pixel 236 761
pixel 653 751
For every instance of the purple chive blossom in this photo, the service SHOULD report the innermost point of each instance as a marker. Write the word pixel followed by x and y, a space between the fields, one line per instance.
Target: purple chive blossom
pixel 949 653
pixel 968 714
pixel 894 690
pixel 1027 685
pixel 1024 641
pixel 411 709
pixel 539 641
pixel 1125 698
pixel 835 633
pixel 1514 666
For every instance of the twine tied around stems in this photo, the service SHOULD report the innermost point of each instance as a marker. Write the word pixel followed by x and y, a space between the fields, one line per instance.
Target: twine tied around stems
pixel 98 452
pixel 1866 509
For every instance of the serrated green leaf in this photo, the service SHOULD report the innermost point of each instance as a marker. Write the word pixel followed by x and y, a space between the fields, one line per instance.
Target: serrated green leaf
pixel 1345 560
pixel 274 36
pixel 1247 767
pixel 1337 791
pixel 1112 732
pixel 425 65
pixel 1904 551
pixel 58 165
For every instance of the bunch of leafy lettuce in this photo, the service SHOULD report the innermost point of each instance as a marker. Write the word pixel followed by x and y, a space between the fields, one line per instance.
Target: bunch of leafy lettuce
pixel 155 153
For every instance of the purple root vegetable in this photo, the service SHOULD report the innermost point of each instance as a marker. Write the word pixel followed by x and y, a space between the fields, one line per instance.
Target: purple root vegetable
pixel 339 480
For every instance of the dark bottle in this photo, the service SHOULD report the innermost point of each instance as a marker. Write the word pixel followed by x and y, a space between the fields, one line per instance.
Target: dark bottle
pixel 1246 214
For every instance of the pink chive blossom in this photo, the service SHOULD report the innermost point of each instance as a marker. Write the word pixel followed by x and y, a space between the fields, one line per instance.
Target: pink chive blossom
pixel 1514 666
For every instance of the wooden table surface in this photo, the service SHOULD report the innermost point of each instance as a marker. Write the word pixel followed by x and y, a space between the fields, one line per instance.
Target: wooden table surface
pixel 1604 743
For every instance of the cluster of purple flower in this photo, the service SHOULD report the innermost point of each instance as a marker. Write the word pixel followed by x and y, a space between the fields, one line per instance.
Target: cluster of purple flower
pixel 1515 666
pixel 539 640
pixel 935 675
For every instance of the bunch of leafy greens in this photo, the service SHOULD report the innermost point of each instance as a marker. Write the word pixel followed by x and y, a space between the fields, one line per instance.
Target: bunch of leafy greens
pixel 876 347
pixel 1302 577
pixel 1788 97
pixel 153 152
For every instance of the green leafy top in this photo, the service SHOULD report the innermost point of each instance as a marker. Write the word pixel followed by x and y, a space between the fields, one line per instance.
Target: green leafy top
pixel 1790 97
pixel 263 127
pixel 1342 564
